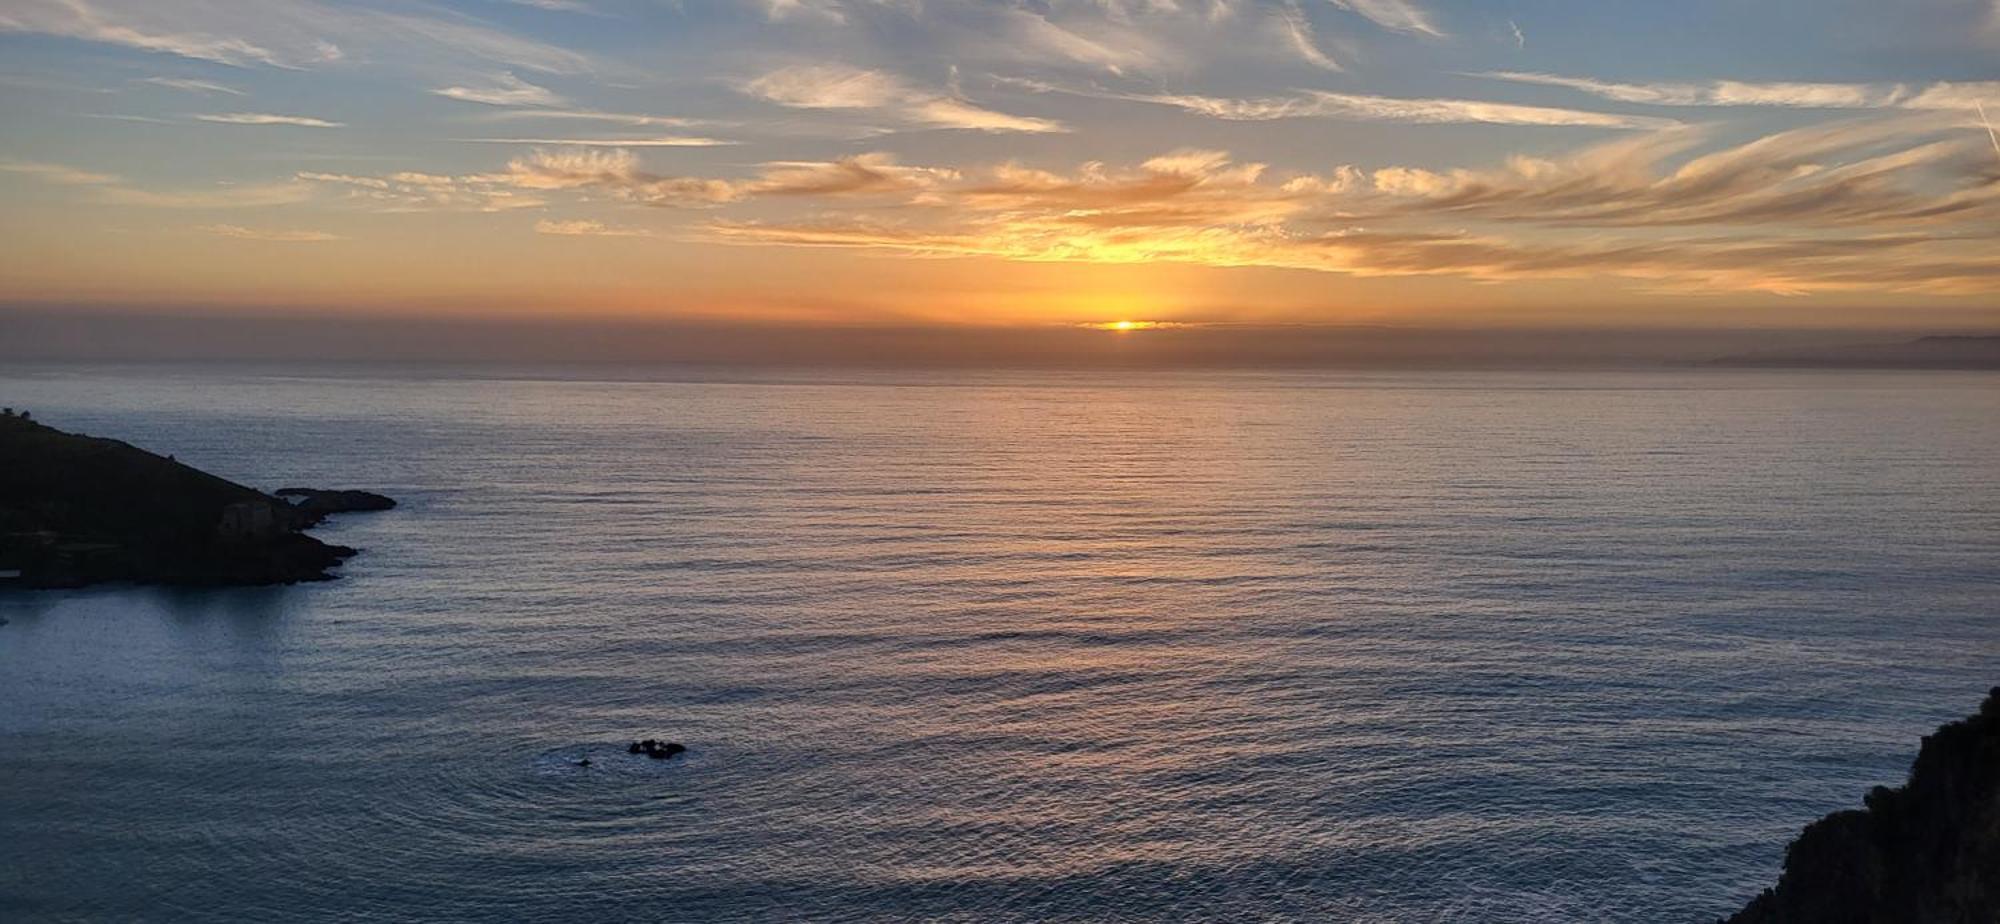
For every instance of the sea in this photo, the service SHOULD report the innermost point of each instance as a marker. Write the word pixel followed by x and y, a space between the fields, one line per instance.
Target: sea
pixel 1005 646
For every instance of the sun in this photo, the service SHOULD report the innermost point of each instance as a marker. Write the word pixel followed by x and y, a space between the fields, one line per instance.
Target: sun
pixel 1126 326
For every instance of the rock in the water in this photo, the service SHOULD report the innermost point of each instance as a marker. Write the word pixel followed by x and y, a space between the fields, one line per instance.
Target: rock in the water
pixel 657 750
pixel 1925 853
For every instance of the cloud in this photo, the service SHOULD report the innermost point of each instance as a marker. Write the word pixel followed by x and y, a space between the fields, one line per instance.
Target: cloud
pixel 1944 95
pixel 506 90
pixel 1967 96
pixel 111 189
pixel 1894 202
pixel 195 86
pixel 60 174
pixel 1722 92
pixel 1908 170
pixel 265 118
pixel 662 141
pixel 255 234
pixel 556 6
pixel 1298 35
pixel 260 195
pixel 420 192
pixel 282 33
pixel 1118 48
pixel 1321 104
pixel 587 229
pixel 615 172
pixel 593 115
pixel 842 87
pixel 1398 15
pixel 824 10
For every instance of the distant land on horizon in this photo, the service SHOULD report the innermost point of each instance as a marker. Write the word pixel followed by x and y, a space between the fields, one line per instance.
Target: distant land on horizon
pixel 1932 352
pixel 49 335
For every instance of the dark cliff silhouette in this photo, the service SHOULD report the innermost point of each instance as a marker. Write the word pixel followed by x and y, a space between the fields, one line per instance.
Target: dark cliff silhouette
pixel 1927 852
pixel 78 510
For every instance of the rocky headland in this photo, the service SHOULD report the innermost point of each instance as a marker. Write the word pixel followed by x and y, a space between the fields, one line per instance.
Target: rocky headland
pixel 1927 852
pixel 78 510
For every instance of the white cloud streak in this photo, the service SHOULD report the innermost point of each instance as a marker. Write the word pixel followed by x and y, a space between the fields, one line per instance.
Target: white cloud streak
pixel 60 174
pixel 585 228
pixel 1321 104
pixel 266 118
pixel 261 234
pixel 842 87
pixel 1397 15
pixel 1298 34
pixel 1945 95
pixel 192 86
pixel 663 141
pixel 504 90
pixel 282 33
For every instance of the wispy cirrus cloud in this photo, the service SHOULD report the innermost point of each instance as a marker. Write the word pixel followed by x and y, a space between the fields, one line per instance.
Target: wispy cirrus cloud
pixel 283 236
pixel 861 89
pixel 1796 95
pixel 1322 104
pixel 283 33
pixel 503 90
pixel 636 120
pixel 266 118
pixel 586 228
pixel 618 173
pixel 112 189
pixel 659 141
pixel 411 191
pixel 1297 32
pixel 1397 15
pixel 1720 92
pixel 1916 170
pixel 1897 204
pixel 61 174
pixel 191 85
pixel 557 6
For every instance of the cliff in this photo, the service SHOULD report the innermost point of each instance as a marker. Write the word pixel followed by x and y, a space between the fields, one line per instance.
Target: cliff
pixel 1925 853
pixel 78 510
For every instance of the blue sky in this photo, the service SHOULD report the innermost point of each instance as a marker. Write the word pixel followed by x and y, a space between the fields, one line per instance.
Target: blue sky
pixel 1319 160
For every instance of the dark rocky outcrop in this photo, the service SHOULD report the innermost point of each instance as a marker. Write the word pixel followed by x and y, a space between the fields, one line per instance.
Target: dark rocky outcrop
pixel 78 510
pixel 316 504
pixel 657 750
pixel 1925 853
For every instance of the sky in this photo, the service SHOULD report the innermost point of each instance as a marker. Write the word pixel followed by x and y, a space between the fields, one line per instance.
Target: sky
pixel 1711 163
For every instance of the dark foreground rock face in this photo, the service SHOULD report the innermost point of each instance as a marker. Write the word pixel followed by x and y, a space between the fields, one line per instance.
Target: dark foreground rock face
pixel 1925 853
pixel 78 510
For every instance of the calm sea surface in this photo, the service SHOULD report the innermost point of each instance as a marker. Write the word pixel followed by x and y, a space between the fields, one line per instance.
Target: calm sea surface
pixel 1008 647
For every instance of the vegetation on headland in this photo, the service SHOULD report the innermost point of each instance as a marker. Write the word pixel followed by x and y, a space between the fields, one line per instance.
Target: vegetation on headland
pixel 77 510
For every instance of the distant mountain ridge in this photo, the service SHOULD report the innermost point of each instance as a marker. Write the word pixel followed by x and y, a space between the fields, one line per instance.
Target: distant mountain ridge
pixel 1939 351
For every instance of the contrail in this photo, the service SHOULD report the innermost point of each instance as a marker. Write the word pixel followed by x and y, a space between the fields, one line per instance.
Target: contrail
pixel 1995 138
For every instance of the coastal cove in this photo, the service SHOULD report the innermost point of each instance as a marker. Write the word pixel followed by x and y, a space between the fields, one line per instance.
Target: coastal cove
pixel 1376 647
